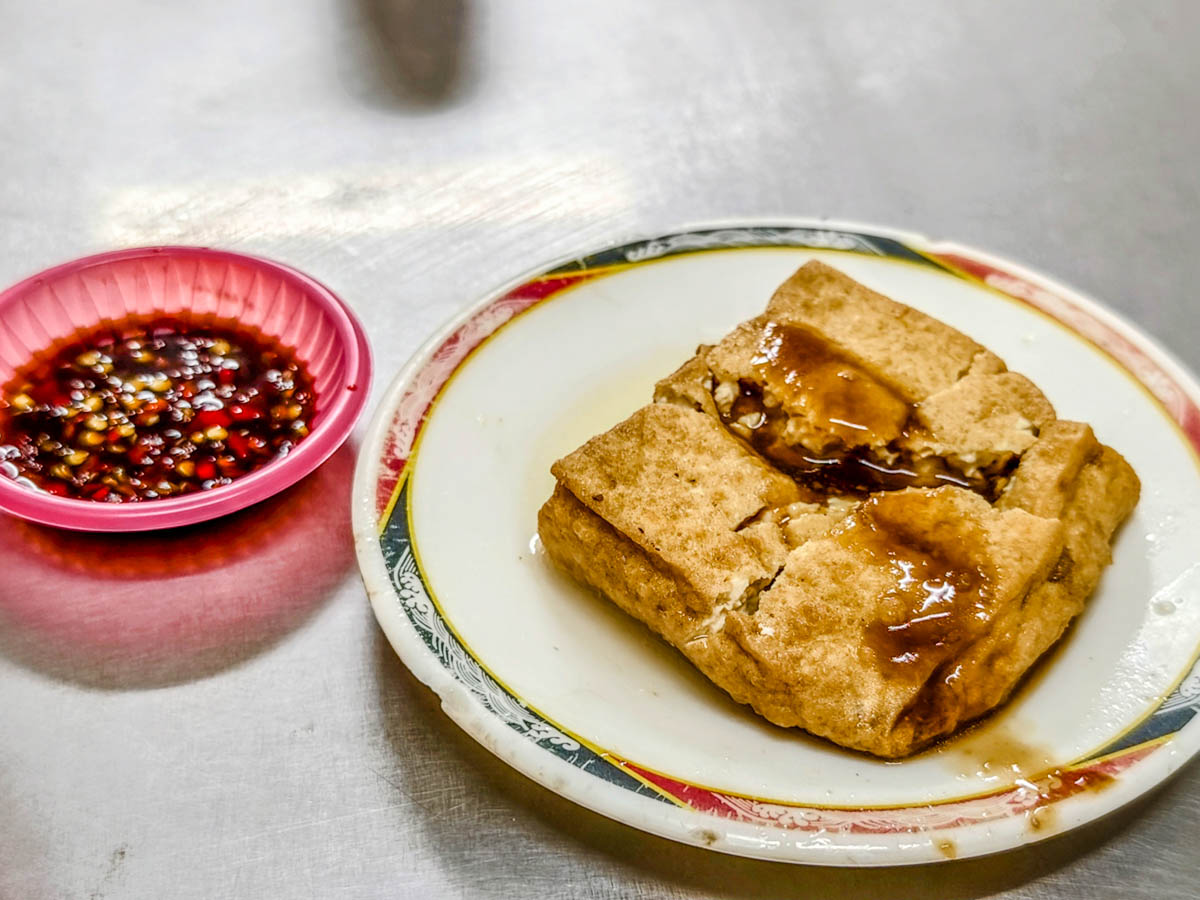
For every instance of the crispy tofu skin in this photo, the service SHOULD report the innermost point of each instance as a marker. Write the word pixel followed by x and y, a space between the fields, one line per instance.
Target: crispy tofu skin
pixel 847 515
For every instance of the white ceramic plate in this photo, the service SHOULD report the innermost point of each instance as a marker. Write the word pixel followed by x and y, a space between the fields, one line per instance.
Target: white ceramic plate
pixel 584 700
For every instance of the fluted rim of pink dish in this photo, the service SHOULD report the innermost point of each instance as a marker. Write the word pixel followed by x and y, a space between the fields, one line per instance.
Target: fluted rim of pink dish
pixel 328 433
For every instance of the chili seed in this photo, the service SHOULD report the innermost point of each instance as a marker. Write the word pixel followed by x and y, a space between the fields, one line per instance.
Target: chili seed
pixel 108 416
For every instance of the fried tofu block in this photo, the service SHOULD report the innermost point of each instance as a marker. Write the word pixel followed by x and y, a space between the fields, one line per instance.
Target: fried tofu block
pixel 994 413
pixel 678 485
pixel 1067 474
pixel 916 353
pixel 689 385
pixel 862 637
pixel 847 515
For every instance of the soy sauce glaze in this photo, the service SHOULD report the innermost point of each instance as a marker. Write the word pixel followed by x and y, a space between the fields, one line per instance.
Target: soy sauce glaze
pixel 940 597
pixel 847 404
pixel 858 422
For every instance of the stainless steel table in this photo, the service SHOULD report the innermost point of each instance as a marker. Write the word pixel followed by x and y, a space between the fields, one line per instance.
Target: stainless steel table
pixel 215 714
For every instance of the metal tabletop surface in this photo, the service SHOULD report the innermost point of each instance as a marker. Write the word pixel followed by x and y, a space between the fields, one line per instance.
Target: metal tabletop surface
pixel 214 713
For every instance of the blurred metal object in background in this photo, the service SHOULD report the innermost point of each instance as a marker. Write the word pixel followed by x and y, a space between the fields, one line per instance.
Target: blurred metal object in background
pixel 414 49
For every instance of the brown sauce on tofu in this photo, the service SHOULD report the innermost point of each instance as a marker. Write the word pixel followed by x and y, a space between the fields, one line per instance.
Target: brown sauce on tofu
pixel 856 421
pixel 844 402
pixel 939 599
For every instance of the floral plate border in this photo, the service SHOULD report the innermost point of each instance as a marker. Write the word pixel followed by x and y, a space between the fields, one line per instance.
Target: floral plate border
pixel 669 806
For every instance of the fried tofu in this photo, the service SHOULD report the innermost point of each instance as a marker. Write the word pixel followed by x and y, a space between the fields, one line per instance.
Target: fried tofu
pixel 847 515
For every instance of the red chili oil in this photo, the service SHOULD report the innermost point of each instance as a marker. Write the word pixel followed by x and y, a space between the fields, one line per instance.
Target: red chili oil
pixel 145 409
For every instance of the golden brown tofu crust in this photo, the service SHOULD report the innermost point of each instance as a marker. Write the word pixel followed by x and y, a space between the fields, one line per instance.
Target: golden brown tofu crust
pixel 882 615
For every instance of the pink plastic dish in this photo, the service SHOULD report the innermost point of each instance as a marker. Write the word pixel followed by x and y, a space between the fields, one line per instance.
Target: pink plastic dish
pixel 275 299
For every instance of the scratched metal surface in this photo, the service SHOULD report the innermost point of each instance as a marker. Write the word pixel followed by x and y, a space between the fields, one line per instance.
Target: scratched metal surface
pixel 215 714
